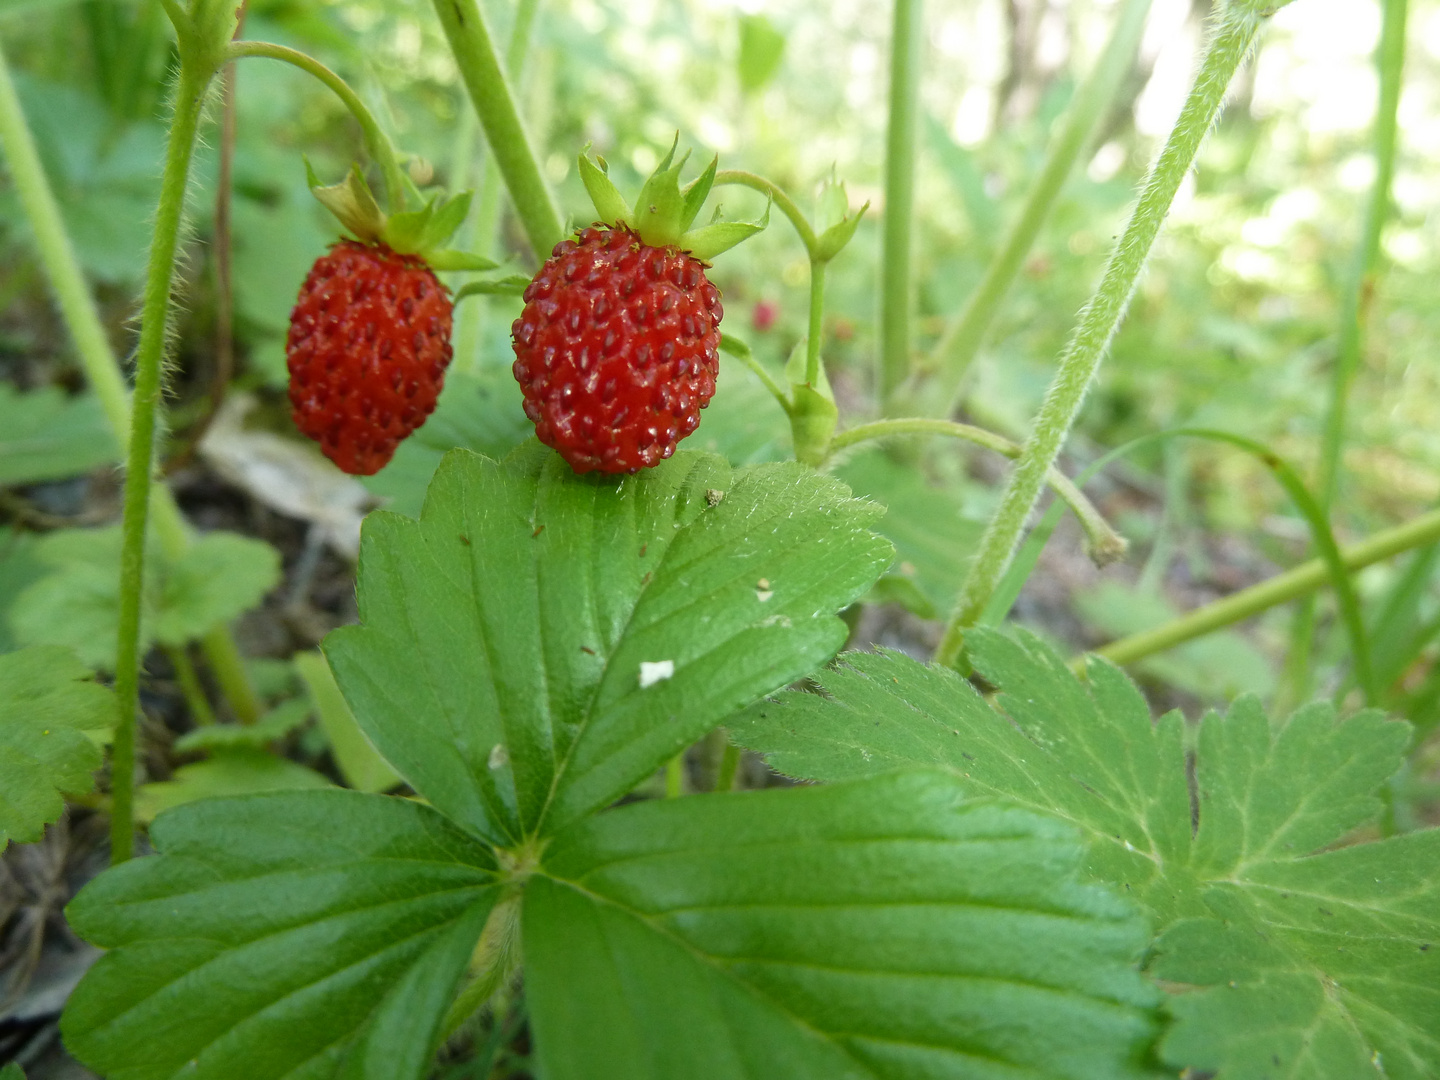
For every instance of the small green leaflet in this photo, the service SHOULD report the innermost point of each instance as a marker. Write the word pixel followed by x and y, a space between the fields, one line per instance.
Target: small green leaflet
pixel 881 929
pixel 274 936
pixel 12 1072
pixel 1286 962
pixel 539 642
pixel 48 435
pixel 220 576
pixel 48 715
pixel 233 771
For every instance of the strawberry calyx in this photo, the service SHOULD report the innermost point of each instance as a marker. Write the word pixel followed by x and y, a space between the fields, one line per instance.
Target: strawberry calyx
pixel 422 232
pixel 663 214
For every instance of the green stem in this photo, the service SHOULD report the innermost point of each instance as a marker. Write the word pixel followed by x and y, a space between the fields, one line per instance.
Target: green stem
pixel 1098 322
pixel 92 345
pixel 1389 59
pixel 777 195
pixel 189 100
pixel 906 40
pixel 470 41
pixel 675 776
pixel 377 143
pixel 190 687
pixel 1300 581
pixel 1104 544
pixel 817 322
pixel 729 767
pixel 738 349
pixel 958 345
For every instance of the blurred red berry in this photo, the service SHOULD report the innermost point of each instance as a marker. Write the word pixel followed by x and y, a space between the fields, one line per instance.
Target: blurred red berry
pixel 764 315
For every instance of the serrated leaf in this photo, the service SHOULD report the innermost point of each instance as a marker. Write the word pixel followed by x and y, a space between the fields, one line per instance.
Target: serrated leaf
pixel 276 724
pixel 498 667
pixel 47 707
pixel 271 933
pixel 363 768
pixel 881 929
pixel 48 435
pixel 1305 962
pixel 236 771
pixel 219 577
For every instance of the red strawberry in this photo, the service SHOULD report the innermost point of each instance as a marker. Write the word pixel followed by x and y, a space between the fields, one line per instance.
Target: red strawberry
pixel 618 347
pixel 617 350
pixel 368 346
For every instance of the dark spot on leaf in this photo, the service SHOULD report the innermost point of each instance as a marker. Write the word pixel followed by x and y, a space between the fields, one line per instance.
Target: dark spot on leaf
pixel 538 530
pixel 465 539
pixel 587 649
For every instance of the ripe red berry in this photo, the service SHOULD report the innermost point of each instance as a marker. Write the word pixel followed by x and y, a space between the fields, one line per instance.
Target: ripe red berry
pixel 617 349
pixel 368 346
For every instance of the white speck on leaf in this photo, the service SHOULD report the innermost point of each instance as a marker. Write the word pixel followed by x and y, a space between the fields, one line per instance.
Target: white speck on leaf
pixel 499 756
pixel 659 671
pixel 763 591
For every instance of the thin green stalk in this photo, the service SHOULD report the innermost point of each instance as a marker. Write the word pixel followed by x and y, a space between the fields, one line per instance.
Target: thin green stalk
pixel 189 100
pixel 675 776
pixel 377 143
pixel 955 351
pixel 777 195
pixel 817 322
pixel 1104 543
pixel 1293 584
pixel 906 40
pixel 1100 319
pixel 190 687
pixel 92 346
pixel 729 767
pixel 475 55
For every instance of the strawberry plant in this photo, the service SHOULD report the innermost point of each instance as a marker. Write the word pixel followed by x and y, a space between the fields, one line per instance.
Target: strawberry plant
pixel 996 863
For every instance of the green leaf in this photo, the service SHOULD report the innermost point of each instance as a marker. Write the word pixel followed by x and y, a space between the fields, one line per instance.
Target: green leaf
pixel 47 435
pixel 276 724
pixel 499 664
pixel 11 1071
pixel 237 771
pixel 48 712
pixel 362 767
pixel 882 929
pixel 220 576
pixel 609 203
pixel 281 935
pixel 1298 961
pixel 762 47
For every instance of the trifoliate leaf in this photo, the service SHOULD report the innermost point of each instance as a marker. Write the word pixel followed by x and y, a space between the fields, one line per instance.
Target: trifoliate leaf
pixel 48 713
pixel 1291 960
pixel 48 435
pixel 498 663
pixel 219 577
pixel 271 933
pixel 885 929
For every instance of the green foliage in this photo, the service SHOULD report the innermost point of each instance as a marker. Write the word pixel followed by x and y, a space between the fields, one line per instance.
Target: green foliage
pixel 51 721
pixel 45 435
pixel 234 770
pixel 499 664
pixel 12 1072
pixel 762 47
pixel 276 724
pixel 362 767
pixel 778 934
pixel 219 577
pixel 1312 961
pixel 272 932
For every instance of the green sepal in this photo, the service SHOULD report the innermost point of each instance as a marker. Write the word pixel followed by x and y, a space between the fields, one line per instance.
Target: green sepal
pixel 351 202
pixel 459 260
pixel 696 192
pixel 813 414
pixel 833 240
pixel 659 210
pixel 510 285
pixel 705 243
pixel 609 203
pixel 405 232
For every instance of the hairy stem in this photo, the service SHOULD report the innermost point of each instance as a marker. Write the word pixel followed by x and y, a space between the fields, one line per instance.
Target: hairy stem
pixel 958 345
pixel 1101 317
pixel 377 143
pixel 1300 581
pixel 494 103
pixel 906 41
pixel 1103 542
pixel 154 328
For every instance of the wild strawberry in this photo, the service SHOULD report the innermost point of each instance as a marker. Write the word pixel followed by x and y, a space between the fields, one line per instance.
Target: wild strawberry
pixel 369 337
pixel 617 349
pixel 367 351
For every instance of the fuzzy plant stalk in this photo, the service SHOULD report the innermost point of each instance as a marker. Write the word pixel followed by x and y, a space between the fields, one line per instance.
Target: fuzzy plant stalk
pixel 906 42
pixel 203 32
pixel 1228 46
pixel 953 354
pixel 474 50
